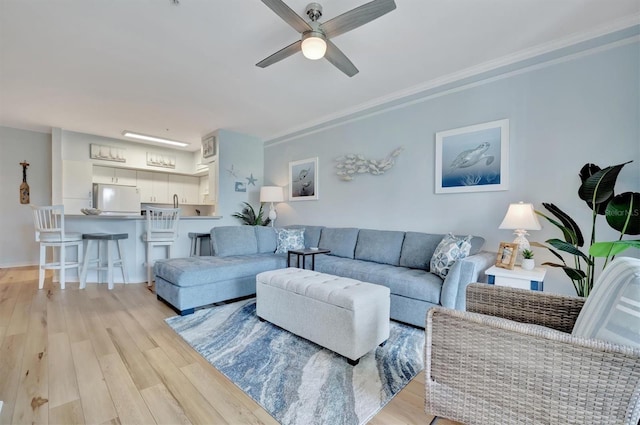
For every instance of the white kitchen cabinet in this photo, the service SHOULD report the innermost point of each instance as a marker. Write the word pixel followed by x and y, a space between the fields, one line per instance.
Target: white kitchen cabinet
pixel 186 187
pixel 111 175
pixel 153 187
pixel 76 186
pixel 207 197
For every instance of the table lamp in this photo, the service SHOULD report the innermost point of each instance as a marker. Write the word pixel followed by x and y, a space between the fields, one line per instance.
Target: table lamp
pixel 271 194
pixel 521 217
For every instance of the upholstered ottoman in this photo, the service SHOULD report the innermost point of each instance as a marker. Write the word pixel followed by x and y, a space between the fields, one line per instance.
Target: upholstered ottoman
pixel 344 315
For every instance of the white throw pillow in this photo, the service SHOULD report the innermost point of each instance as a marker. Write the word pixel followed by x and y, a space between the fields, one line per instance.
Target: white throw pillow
pixel 612 311
pixel 449 250
pixel 289 239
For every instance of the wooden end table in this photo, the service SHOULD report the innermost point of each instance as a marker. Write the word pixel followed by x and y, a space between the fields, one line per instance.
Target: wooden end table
pixel 304 253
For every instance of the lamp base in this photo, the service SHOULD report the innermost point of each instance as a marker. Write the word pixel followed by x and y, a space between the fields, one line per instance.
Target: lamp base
pixel 272 214
pixel 521 240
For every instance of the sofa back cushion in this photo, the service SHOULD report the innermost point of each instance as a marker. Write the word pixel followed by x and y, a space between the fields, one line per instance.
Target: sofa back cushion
pixel 418 248
pixel 266 239
pixel 380 246
pixel 311 234
pixel 341 241
pixel 234 240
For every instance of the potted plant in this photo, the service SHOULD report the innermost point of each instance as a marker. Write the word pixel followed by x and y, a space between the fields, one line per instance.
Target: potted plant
pixel 621 212
pixel 528 263
pixel 249 217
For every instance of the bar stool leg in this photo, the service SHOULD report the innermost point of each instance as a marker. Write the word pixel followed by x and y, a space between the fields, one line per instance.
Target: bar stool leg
pixel 110 264
pixel 85 264
pixel 43 259
pixel 123 264
pixel 63 264
pixel 149 249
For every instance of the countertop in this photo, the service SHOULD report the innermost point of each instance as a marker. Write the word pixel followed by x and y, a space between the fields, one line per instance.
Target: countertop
pixel 140 217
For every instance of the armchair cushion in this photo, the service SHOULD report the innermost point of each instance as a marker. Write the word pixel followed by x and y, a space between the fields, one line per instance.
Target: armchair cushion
pixel 612 311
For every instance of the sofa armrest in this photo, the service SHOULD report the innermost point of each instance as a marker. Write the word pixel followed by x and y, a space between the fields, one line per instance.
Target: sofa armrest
pixel 484 369
pixel 522 305
pixel 468 270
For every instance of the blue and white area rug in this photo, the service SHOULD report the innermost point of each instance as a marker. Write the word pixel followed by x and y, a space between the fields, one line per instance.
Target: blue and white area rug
pixel 295 380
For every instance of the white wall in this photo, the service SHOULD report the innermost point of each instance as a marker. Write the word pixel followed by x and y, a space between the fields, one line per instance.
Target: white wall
pixel 562 115
pixel 17 240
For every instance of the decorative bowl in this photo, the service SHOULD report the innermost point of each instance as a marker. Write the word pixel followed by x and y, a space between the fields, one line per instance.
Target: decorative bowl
pixel 91 211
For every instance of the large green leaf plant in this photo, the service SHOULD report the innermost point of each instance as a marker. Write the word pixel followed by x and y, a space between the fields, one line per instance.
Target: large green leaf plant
pixel 622 213
pixel 249 217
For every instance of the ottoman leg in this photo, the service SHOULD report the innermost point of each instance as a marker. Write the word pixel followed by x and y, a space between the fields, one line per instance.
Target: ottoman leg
pixel 383 343
pixel 353 362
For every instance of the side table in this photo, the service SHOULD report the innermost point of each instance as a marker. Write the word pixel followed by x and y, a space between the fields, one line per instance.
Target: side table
pixel 304 253
pixel 517 278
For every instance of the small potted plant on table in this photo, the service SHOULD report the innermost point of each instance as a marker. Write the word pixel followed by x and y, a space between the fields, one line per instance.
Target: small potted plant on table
pixel 528 263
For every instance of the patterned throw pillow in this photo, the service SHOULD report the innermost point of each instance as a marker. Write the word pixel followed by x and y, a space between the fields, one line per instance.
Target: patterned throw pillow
pixel 289 239
pixel 449 250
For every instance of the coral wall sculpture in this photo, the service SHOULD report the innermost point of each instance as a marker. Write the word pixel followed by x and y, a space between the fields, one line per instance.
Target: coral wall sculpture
pixel 350 165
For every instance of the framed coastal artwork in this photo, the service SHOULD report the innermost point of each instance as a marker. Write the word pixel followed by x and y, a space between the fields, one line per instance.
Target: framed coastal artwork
pixel 303 180
pixel 473 158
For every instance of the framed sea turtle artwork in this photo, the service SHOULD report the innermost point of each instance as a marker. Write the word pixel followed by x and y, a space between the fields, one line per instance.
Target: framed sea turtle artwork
pixel 473 158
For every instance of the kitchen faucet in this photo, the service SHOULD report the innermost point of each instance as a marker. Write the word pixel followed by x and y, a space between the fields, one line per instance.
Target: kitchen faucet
pixel 175 200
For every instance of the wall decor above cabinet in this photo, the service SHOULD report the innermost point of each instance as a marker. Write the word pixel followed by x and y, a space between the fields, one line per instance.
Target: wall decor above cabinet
pixel 161 160
pixel 107 153
pixel 209 147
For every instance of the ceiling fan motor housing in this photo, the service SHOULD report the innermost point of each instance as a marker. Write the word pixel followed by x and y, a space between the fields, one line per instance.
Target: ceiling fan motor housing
pixel 314 11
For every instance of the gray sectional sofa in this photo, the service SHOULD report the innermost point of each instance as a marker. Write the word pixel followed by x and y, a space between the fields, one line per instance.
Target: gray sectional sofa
pixel 395 259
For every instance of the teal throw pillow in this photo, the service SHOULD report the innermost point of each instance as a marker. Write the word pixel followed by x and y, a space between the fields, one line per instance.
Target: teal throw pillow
pixel 449 250
pixel 289 239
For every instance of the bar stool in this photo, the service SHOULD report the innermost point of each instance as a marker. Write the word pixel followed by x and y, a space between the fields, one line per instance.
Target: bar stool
pixel 113 240
pixel 161 230
pixel 196 242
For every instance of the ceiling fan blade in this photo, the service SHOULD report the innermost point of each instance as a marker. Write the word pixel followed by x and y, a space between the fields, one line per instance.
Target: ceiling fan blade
pixel 357 17
pixel 281 54
pixel 288 15
pixel 339 60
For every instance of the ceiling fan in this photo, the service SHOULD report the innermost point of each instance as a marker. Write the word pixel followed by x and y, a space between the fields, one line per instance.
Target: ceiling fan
pixel 315 42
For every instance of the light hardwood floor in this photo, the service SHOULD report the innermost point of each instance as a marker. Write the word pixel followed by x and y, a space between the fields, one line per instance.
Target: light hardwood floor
pixel 107 357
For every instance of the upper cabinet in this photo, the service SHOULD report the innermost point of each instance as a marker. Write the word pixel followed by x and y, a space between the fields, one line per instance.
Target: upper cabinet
pixel 111 175
pixel 186 187
pixel 76 186
pixel 153 187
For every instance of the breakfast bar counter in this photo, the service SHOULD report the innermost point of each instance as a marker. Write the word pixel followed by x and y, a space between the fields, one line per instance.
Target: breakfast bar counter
pixel 134 247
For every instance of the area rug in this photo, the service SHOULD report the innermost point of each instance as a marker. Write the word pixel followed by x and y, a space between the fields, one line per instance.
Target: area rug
pixel 295 380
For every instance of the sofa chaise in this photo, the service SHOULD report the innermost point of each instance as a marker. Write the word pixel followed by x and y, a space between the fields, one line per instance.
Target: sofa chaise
pixel 395 259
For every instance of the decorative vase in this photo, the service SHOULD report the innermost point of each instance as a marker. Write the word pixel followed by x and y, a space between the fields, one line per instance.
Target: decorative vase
pixel 528 263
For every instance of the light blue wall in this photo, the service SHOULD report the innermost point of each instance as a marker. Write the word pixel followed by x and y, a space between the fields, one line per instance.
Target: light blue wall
pixel 243 156
pixel 17 239
pixel 563 114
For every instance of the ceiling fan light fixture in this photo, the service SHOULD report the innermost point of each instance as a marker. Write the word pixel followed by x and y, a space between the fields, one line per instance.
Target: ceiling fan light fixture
pixel 313 45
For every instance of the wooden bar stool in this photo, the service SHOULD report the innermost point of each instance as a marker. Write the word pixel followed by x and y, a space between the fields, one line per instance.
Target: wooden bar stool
pixel 113 240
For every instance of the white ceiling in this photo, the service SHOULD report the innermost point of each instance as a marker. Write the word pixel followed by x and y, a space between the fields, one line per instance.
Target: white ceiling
pixel 182 71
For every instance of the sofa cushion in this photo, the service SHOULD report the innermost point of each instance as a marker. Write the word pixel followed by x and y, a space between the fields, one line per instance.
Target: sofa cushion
pixel 289 239
pixel 380 246
pixel 612 311
pixel 311 234
pixel 340 241
pixel 448 251
pixel 266 238
pixel 234 240
pixel 417 249
pixel 194 271
pixel 410 283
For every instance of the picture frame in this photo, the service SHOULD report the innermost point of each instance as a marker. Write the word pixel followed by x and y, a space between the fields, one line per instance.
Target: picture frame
pixel 507 254
pixel 473 158
pixel 303 180
pixel 107 153
pixel 209 146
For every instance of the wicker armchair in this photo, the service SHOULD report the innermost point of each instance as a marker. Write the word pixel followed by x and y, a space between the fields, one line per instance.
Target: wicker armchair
pixel 509 359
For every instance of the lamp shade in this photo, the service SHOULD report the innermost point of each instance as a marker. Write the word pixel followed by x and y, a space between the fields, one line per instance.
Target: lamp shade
pixel 520 216
pixel 271 194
